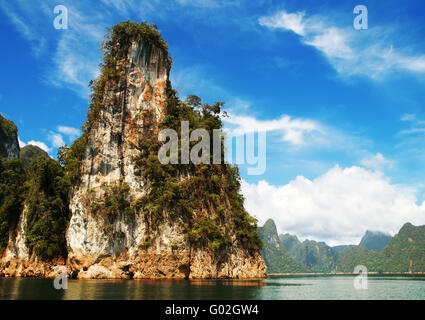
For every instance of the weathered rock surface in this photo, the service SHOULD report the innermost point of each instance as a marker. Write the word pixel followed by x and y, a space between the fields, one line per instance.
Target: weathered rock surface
pixel 17 261
pixel 9 145
pixel 133 110
pixel 101 247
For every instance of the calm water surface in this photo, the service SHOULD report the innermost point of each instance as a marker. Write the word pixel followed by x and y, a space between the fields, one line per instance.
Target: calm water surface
pixel 276 288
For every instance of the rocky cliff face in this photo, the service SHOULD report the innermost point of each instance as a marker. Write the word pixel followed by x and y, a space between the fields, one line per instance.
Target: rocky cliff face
pixel 111 233
pixel 9 146
pixel 274 253
pixel 105 246
pixel 17 260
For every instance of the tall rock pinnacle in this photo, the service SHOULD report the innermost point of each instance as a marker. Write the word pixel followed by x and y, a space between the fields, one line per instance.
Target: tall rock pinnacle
pixel 114 232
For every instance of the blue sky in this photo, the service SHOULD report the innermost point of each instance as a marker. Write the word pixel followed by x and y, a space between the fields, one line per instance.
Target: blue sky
pixel 343 107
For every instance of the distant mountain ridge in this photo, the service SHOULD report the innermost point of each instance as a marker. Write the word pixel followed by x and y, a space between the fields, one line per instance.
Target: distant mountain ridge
pixel 340 248
pixel 408 245
pixel 378 251
pixel 317 256
pixel 375 240
pixel 30 152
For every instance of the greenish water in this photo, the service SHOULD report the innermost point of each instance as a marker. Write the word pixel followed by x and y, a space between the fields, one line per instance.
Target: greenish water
pixel 275 288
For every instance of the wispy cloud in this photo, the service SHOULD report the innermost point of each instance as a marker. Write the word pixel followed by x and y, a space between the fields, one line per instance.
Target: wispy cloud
pixel 17 16
pixel 377 162
pixel 121 5
pixel 292 131
pixel 72 133
pixel 410 146
pixel 204 3
pixel 297 133
pixel 126 6
pixel 193 80
pixel 351 52
pixel 75 56
pixel 416 125
pixel 408 117
pixel 56 139
pixel 74 65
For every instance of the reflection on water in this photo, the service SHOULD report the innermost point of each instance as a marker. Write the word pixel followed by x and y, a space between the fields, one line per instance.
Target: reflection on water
pixel 276 288
pixel 130 289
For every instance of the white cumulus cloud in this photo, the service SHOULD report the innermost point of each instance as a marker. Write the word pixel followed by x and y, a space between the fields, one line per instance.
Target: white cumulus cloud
pixel 40 144
pixel 21 143
pixel 336 207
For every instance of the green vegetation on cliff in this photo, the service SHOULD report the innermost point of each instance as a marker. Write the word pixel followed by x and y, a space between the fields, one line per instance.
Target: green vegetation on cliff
pixel 15 182
pixel 7 127
pixel 39 184
pixel 317 256
pixel 8 136
pixel 47 208
pixel 43 189
pixel 30 152
pixel 353 256
pixel 340 247
pixel 115 48
pixel 205 198
pixel 407 245
pixel 212 188
pixel 12 197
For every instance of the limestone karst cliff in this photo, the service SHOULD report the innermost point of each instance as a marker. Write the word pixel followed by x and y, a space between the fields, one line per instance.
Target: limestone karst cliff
pixel 22 196
pixel 130 216
pixel 34 215
pixel 274 253
pixel 9 146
